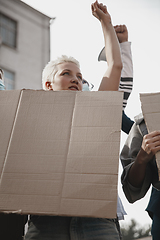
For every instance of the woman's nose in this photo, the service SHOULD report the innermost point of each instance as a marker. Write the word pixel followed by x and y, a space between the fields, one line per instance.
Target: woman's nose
pixel 75 80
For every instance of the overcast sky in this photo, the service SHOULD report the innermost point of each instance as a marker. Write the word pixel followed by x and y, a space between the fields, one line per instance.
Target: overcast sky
pixel 77 33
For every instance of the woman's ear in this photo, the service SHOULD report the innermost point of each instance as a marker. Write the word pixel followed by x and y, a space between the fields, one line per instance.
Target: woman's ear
pixel 48 85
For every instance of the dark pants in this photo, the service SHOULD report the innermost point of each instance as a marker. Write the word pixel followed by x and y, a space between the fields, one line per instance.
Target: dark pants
pixel 71 228
pixel 12 226
pixel 155 230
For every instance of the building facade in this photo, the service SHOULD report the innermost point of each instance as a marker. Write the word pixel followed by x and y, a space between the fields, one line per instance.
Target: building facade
pixel 24 44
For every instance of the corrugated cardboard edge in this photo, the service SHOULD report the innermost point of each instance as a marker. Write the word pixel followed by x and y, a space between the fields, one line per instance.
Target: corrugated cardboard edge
pixel 144 115
pixel 12 129
pixel 67 152
pixel 20 211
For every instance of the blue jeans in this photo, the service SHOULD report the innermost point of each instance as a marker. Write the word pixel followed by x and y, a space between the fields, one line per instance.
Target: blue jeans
pixel 71 228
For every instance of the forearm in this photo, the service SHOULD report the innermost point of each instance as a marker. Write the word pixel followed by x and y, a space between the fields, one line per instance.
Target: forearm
pixel 112 47
pixel 111 78
pixel 110 81
pixel 150 146
pixel 137 172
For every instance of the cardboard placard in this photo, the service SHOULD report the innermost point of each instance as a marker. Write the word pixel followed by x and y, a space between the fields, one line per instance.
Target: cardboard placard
pixel 60 152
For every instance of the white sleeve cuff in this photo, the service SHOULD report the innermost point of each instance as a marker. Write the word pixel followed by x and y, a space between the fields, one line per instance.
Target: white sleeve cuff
pixel 126 56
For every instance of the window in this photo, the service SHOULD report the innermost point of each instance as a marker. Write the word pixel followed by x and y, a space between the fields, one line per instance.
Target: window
pixel 8 30
pixel 9 80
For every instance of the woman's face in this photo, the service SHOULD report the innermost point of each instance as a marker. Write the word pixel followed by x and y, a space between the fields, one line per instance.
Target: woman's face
pixel 67 77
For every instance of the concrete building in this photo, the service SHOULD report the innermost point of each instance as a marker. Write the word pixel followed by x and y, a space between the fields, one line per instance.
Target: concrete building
pixel 24 44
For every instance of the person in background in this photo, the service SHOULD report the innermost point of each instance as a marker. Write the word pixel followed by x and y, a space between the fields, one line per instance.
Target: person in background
pixel 64 74
pixel 132 155
pixel 140 169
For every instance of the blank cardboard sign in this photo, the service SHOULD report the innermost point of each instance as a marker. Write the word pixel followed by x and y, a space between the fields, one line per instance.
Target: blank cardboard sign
pixel 151 112
pixel 60 152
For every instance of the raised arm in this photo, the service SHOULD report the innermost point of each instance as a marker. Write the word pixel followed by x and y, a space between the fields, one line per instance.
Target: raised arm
pixel 126 82
pixel 110 81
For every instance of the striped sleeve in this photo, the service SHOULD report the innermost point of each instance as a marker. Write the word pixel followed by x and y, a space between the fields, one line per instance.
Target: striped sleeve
pixel 126 82
pixel 2 87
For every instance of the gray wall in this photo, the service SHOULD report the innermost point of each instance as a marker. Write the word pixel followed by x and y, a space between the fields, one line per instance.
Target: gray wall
pixel 32 53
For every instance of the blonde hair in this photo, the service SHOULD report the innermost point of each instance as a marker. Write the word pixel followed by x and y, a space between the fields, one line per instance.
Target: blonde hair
pixel 51 68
